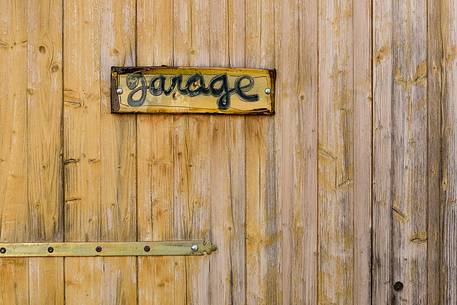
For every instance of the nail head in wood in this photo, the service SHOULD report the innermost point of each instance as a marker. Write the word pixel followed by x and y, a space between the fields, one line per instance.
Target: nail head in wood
pixel 398 286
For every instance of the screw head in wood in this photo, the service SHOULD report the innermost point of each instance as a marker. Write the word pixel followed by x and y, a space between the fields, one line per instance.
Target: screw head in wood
pixel 194 248
pixel 2 250
pixel 267 90
pixel 119 91
pixel 50 249
pixel 398 286
pixel 147 248
pixel 98 249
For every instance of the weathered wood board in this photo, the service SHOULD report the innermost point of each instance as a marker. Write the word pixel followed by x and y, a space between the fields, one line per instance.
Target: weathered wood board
pixel 347 195
pixel 192 90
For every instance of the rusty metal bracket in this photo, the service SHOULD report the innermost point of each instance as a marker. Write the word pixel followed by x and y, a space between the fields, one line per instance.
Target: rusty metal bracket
pixel 81 249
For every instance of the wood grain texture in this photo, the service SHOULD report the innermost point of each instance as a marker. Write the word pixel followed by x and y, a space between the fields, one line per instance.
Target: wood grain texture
pixel 13 148
pixel 227 178
pixel 160 280
pixel 400 151
pixel 409 159
pixel 434 104
pixel 362 105
pixel 262 240
pixel 349 188
pixel 30 161
pixel 44 146
pixel 100 167
pixel 236 18
pixel 296 50
pixel 448 11
pixel 382 153
pixel 191 138
pixel 336 147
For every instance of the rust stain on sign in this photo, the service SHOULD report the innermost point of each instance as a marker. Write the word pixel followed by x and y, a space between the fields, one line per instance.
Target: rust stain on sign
pixel 192 90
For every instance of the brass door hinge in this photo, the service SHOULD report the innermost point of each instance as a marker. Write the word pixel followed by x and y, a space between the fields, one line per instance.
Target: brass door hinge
pixel 145 248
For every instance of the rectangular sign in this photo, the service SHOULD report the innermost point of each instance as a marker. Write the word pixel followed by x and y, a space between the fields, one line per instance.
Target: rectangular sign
pixel 192 90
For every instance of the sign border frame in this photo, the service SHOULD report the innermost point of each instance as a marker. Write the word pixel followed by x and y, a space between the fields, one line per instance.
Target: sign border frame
pixel 115 104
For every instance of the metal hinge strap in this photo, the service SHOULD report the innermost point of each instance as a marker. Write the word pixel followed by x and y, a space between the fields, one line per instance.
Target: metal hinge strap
pixel 145 248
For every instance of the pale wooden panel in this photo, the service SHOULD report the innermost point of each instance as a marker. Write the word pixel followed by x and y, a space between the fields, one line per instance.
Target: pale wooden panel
pixel 434 89
pixel 100 167
pixel 44 168
pixel 13 120
pixel 192 149
pixel 449 149
pixel 227 177
pixel 362 99
pixel 292 47
pixel 46 281
pixel 261 245
pixel 409 159
pixel 382 152
pixel 15 289
pixel 118 133
pixel 400 152
pixel 160 280
pixel 30 171
pixel 236 17
pixel 336 153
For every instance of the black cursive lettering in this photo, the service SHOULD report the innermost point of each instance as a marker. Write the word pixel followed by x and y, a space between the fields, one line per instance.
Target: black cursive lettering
pixel 194 86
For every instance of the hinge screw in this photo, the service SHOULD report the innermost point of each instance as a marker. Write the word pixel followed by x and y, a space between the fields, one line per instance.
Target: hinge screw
pixel 267 90
pixel 194 248
pixel 119 91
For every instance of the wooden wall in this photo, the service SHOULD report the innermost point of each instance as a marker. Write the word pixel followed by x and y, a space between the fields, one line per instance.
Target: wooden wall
pixel 348 195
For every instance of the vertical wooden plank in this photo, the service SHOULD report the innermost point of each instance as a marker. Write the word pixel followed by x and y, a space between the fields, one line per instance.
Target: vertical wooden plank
pixel 400 152
pixel 236 18
pixel 118 132
pixel 160 280
pixel 44 144
pixel 191 143
pixel 296 43
pixel 30 162
pixel 382 152
pixel 227 178
pixel 296 155
pixel 409 159
pixel 100 172
pixel 118 155
pixel 336 153
pixel 362 92
pixel 449 148
pixel 13 147
pixel 261 241
pixel 410 153
pixel 434 90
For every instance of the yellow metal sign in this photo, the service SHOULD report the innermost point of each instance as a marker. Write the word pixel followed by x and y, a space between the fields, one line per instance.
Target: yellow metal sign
pixel 192 90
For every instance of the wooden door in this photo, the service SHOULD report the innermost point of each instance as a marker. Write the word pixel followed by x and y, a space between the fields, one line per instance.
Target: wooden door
pixel 345 196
